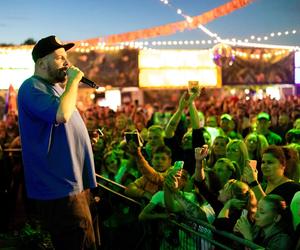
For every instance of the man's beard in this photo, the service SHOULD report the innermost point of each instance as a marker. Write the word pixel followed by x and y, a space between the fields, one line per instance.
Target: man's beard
pixel 57 75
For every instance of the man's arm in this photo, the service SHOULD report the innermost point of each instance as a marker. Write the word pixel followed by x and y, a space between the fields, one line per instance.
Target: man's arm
pixel 135 189
pixel 146 170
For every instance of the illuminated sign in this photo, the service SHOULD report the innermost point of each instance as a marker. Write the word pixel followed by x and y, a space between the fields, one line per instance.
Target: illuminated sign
pixel 174 68
pixel 16 65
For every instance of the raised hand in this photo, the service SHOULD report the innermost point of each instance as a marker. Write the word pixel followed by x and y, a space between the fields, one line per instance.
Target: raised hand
pixel 171 180
pixel 201 153
pixel 243 226
pixel 236 203
pixel 183 102
pixel 192 97
pixel 249 174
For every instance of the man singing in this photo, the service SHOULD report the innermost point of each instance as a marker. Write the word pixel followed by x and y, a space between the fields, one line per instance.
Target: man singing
pixel 57 154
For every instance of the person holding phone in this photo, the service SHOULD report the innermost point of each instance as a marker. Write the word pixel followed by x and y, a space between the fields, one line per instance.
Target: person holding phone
pixel 153 175
pixel 273 169
pixel 256 143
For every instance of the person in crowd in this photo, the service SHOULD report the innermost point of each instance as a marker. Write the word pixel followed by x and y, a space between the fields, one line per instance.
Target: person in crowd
pixel 243 123
pixel 3 134
pixel 226 170
pixel 149 212
pixel 188 202
pixel 269 230
pixel 139 119
pixel 237 199
pixel 11 128
pixel 217 150
pixel 183 146
pixel 273 167
pixel 293 136
pixel 56 148
pixel 153 176
pixel 233 197
pixel 236 150
pixel 155 138
pixel 191 207
pixel 292 170
pixel 212 127
pixel 295 209
pixel 263 127
pixel 284 125
pixel 227 125
pixel 99 146
pixel 116 168
pixel 211 121
pixel 256 143
pixel 296 123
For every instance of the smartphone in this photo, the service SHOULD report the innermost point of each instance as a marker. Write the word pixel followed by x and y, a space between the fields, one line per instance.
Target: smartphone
pixel 178 165
pixel 193 87
pixel 253 164
pixel 133 136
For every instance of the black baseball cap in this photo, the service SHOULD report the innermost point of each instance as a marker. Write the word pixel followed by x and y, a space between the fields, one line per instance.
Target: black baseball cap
pixel 47 45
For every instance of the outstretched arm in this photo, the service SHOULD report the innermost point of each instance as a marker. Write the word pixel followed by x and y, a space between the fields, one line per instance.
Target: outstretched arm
pixel 200 154
pixel 250 176
pixel 175 119
pixel 148 213
pixel 195 121
pixel 170 189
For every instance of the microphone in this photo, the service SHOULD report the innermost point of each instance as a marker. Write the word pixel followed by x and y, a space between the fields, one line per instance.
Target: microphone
pixel 89 82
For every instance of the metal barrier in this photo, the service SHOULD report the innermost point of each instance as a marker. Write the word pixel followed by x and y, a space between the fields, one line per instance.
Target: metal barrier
pixel 190 234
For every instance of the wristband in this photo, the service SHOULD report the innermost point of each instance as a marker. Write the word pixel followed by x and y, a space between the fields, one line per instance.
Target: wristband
pixel 253 184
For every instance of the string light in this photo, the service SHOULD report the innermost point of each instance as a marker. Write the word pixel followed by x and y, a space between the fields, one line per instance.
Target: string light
pixel 215 35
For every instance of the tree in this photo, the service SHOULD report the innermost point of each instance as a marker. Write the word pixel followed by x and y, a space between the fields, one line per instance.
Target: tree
pixel 29 41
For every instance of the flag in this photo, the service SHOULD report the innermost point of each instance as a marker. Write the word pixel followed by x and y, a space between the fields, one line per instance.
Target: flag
pixel 10 100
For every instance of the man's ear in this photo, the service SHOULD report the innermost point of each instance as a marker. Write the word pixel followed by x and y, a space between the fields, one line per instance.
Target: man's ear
pixel 41 63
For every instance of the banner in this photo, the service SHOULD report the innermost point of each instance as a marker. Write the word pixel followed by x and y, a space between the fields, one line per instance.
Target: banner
pixel 172 28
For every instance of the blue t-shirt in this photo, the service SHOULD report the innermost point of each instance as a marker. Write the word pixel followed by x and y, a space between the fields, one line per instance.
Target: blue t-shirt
pixel 58 159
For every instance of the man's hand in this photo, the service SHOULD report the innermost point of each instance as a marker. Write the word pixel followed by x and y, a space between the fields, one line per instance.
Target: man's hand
pixel 74 74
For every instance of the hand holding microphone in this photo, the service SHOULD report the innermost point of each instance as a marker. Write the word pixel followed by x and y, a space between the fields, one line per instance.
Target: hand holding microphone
pixel 76 72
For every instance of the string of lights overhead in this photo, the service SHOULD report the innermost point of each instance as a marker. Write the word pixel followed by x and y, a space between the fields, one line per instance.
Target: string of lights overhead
pixel 250 41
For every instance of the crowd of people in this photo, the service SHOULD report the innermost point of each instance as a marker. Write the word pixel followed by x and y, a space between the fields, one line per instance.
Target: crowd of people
pixel 240 163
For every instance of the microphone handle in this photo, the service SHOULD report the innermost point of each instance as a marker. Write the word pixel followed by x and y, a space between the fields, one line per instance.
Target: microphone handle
pixel 89 82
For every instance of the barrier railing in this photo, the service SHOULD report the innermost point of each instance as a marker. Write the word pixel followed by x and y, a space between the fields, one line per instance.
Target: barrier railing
pixel 192 227
pixel 115 192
